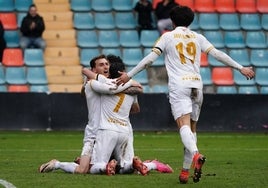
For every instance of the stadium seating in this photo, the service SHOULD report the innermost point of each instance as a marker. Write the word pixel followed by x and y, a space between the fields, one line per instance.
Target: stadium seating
pixel 131 56
pixel 9 20
pixel 222 76
pixel 36 75
pixel 33 57
pixel 12 38
pixel 234 39
pixel 39 88
pixel 141 77
pixel 206 75
pixel 264 90
pixel 148 37
pixel 22 5
pixel 264 21
pixel 87 39
pixel 226 90
pixel 114 51
pixel 2 75
pixel 214 62
pixel 204 60
pixel 248 90
pixel 256 39
pixel 215 37
pixel 250 21
pixel 159 88
pixel 259 57
pixel 155 2
pixel 13 57
pixel 195 24
pixel 262 6
pixel 209 21
pixel 103 5
pixel 204 6
pixel 225 6
pixel 18 88
pixel 83 20
pixel 20 16
pixel 129 38
pixel 229 21
pixel 87 54
pixel 125 20
pixel 16 75
pixel 3 88
pixel 7 5
pixel 80 5
pixel 240 55
pixel 246 6
pixel 104 20
pixel 240 79
pixel 122 5
pixel 262 76
pixel 108 38
pixel 160 61
pixel 188 3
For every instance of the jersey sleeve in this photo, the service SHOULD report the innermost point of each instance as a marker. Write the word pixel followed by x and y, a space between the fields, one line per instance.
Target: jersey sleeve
pixel 108 87
pixel 205 45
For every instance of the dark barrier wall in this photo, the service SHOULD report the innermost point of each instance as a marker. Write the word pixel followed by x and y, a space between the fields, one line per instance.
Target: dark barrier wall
pixel 65 111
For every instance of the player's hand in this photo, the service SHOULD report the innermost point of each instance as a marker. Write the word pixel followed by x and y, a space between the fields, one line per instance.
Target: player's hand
pixel 135 84
pixel 122 79
pixel 248 72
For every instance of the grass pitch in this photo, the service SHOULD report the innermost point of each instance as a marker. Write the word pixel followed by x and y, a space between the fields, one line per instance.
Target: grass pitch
pixel 235 160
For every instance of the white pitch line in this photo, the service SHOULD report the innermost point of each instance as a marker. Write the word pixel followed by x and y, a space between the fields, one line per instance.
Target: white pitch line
pixel 6 184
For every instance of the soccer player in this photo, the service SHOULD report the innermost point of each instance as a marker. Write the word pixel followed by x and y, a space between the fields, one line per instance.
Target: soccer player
pixel 182 48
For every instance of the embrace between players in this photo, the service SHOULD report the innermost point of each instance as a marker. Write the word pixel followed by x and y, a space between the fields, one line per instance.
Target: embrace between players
pixel 182 48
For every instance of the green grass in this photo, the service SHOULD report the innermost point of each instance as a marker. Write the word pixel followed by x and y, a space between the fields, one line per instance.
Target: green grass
pixel 233 160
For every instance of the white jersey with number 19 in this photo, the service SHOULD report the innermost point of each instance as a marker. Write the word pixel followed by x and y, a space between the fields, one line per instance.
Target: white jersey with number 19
pixel 182 48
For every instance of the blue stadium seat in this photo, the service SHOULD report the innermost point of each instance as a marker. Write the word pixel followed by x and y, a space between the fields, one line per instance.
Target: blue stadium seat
pixel 103 5
pixel 206 75
pixel 36 75
pixel 264 90
pixel 132 56
pixel 209 21
pixel 39 88
pixel 80 5
pixel 215 37
pixel 125 20
pixel 240 55
pixel 256 39
pixel 149 37
pixel 141 77
pixel 195 24
pixel 34 57
pixel 7 5
pixel 160 61
pixel 122 5
pixel 250 22
pixel 129 38
pixel 3 88
pixel 159 88
pixel 248 90
pixel 234 39
pixel 12 38
pixel 87 39
pixel 15 75
pixel 104 20
pixel 239 79
pixel 229 21
pixel 83 20
pixel 226 90
pixel 2 75
pixel 262 76
pixel 264 21
pixel 108 38
pixel 20 16
pixel 259 57
pixel 114 51
pixel 22 5
pixel 146 88
pixel 87 54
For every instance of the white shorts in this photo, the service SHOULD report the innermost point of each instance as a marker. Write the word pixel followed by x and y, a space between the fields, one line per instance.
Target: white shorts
pixel 185 101
pixel 109 143
pixel 88 147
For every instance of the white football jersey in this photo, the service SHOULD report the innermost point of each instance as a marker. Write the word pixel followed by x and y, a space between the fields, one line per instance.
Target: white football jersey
pixel 182 48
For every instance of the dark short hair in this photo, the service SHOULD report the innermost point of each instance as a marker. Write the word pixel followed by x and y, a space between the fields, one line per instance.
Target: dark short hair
pixel 32 5
pixel 116 64
pixel 181 16
pixel 94 59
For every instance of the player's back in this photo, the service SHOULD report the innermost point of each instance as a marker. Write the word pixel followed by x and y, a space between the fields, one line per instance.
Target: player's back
pixel 115 111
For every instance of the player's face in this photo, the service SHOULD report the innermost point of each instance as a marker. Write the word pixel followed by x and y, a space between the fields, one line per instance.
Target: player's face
pixel 102 67
pixel 33 11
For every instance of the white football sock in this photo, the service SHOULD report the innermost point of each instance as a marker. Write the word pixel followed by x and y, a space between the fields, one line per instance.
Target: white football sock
pixel 188 139
pixel 187 162
pixel 195 136
pixel 66 166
